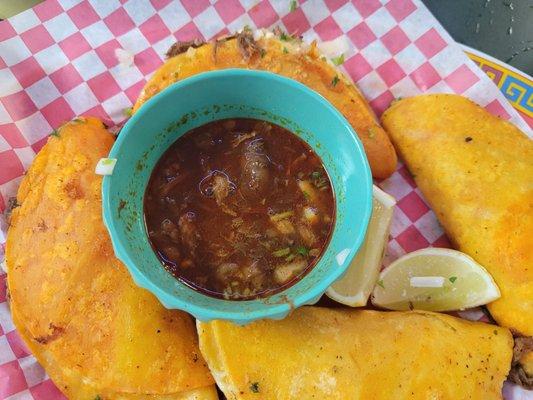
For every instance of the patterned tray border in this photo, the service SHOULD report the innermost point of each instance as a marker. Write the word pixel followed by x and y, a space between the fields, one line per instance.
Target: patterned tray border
pixel 516 85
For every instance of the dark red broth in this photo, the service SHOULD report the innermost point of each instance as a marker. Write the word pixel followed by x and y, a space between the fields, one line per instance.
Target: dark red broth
pixel 239 208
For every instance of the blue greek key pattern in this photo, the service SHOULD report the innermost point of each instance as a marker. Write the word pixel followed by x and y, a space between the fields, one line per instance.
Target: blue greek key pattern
pixel 518 92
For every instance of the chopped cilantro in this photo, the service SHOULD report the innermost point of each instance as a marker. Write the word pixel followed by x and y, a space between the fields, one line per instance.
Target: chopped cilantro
pixel 55 132
pixel 285 50
pixel 283 36
pixel 380 283
pixel 294 5
pixel 316 175
pixel 302 250
pixel 97 397
pixel 77 120
pixel 254 387
pixel 338 60
pixel 334 81
pixel 453 279
pixel 262 52
pixel 127 111
pixel 306 195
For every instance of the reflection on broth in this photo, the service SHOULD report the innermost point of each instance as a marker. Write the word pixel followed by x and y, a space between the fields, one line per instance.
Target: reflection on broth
pixel 239 208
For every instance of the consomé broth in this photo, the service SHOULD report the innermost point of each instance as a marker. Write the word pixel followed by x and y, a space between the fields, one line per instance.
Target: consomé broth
pixel 239 208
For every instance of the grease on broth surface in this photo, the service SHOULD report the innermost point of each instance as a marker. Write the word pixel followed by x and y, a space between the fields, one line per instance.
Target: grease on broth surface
pixel 239 208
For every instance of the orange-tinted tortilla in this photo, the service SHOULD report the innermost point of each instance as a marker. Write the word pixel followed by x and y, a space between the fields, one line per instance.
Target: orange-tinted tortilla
pixel 75 304
pixel 291 59
pixel 341 354
pixel 476 171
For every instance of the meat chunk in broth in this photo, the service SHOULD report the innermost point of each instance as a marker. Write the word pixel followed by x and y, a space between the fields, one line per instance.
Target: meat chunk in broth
pixel 255 168
pixel 189 232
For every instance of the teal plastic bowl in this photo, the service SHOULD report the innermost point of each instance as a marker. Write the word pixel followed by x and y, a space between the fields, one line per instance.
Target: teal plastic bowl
pixel 231 94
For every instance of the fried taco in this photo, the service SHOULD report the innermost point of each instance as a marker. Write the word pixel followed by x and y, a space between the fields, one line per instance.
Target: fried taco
pixel 283 55
pixel 319 353
pixel 75 305
pixel 476 171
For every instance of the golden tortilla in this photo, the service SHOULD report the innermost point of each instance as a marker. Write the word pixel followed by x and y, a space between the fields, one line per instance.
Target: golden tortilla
pixel 476 171
pixel 293 60
pixel 75 304
pixel 336 354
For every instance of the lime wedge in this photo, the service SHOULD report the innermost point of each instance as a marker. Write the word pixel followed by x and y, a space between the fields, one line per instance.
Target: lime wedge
pixel 434 279
pixel 354 288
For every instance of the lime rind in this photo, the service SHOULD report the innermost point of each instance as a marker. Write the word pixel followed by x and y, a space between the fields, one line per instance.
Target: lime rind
pixel 356 285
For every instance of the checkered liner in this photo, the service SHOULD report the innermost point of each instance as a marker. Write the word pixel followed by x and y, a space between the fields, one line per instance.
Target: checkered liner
pixel 57 61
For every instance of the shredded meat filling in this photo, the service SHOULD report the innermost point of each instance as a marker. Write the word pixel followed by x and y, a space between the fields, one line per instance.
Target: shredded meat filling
pixel 182 47
pixel 247 44
pixel 522 346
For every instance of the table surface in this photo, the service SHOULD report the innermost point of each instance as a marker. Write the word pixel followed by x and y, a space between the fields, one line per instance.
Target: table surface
pixel 501 28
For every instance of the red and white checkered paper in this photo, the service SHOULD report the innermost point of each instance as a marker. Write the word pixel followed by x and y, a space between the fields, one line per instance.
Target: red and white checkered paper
pixel 57 61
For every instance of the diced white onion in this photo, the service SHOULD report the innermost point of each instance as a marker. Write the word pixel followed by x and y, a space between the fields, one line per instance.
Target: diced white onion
pixel 105 166
pixel 472 315
pixel 335 47
pixel 342 255
pixel 191 51
pixel 258 34
pixel 427 281
pixel 310 214
pixel 301 47
pixel 124 57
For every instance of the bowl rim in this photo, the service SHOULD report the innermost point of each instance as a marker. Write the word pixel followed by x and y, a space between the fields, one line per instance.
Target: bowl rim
pixel 274 310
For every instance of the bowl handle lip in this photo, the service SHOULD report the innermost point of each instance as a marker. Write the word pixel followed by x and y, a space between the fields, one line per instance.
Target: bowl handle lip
pixel 272 310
